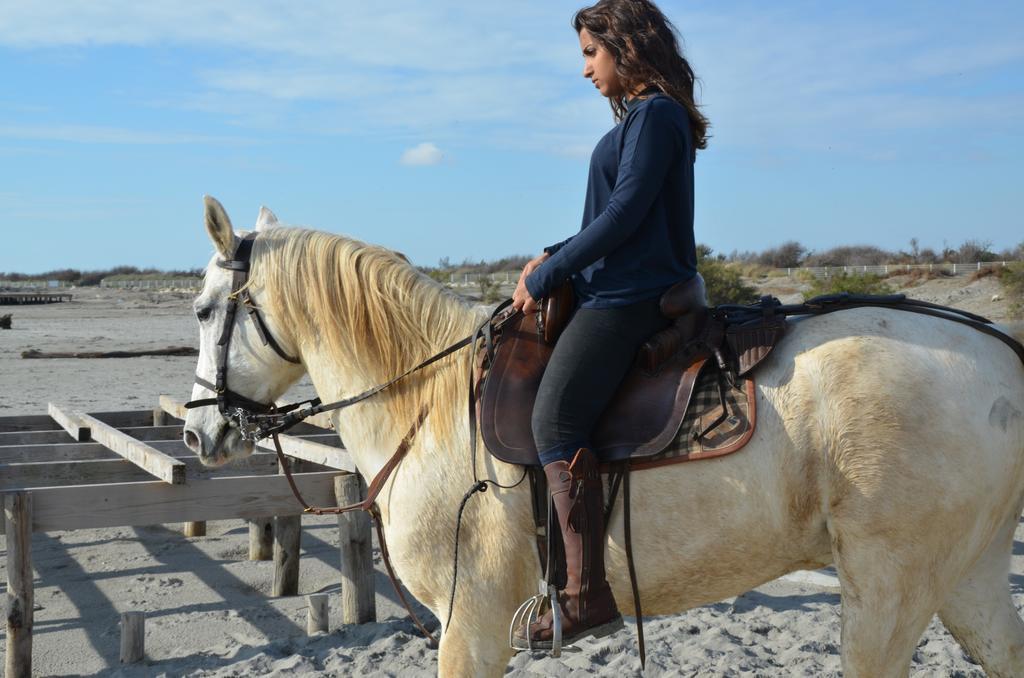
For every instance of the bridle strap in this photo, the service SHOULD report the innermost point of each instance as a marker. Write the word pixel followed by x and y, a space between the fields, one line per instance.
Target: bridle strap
pixel 240 399
pixel 376 485
pixel 263 331
pixel 240 265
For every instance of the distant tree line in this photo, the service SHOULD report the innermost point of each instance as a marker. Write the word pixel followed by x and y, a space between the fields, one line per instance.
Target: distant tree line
pixel 79 278
pixel 792 254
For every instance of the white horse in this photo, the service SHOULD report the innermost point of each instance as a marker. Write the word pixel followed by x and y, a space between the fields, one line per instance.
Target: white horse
pixel 888 443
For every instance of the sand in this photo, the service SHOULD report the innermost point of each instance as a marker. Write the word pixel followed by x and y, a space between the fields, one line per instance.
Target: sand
pixel 208 608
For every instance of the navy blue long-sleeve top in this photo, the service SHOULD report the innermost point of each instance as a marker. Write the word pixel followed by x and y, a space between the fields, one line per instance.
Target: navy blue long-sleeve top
pixel 637 238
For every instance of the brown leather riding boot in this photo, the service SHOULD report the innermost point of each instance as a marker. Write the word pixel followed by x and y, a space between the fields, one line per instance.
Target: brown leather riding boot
pixel 588 608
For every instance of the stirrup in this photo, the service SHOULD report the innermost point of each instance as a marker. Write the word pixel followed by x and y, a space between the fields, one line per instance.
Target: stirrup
pixel 529 612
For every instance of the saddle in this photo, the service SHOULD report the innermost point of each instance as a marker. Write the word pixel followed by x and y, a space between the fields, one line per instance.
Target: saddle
pixel 647 422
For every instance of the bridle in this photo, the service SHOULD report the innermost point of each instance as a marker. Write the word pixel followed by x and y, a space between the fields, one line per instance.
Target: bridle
pixel 256 421
pixel 252 417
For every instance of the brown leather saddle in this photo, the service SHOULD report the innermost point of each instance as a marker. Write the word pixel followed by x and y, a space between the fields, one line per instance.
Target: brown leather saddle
pixel 647 414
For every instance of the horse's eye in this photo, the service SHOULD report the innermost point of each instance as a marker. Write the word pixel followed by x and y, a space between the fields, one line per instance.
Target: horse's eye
pixel 204 314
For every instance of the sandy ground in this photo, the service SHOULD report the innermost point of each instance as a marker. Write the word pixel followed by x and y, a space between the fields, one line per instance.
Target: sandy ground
pixel 208 609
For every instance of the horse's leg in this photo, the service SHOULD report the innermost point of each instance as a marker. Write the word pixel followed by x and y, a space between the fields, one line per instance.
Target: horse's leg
pixel 496 568
pixel 460 653
pixel 980 612
pixel 476 643
pixel 889 595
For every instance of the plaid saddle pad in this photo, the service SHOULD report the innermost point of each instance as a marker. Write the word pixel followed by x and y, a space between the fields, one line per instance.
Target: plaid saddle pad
pixel 699 436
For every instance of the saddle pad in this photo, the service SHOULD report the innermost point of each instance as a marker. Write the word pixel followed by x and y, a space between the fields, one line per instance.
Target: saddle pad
pixel 705 407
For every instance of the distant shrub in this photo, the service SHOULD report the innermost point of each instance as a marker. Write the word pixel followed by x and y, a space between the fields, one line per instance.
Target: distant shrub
pixel 786 255
pixel 724 281
pixel 984 272
pixel 853 283
pixel 490 290
pixel 748 270
pixel 1012 279
pixel 916 276
pixel 850 255
pixel 437 275
pixel 975 250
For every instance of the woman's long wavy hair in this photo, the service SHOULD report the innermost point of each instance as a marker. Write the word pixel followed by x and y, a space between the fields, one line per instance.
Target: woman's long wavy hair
pixel 646 52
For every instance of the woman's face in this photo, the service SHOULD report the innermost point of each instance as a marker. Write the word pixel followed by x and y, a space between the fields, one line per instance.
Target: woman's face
pixel 599 66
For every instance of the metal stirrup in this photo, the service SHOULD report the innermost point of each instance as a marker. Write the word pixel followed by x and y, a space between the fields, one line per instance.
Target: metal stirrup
pixel 529 612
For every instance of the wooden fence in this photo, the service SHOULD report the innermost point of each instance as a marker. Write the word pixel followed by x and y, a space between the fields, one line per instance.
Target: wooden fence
pixel 71 470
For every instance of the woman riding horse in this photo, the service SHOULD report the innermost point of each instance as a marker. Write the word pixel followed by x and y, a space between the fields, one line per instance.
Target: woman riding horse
pixel 636 241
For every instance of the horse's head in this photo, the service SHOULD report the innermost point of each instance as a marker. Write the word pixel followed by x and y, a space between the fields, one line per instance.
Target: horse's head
pixel 250 351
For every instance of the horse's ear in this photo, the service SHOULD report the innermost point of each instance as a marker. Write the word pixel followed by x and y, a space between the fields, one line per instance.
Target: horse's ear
pixel 402 256
pixel 266 219
pixel 219 227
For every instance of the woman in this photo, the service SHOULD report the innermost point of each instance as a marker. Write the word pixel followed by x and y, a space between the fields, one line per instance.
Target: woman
pixel 636 241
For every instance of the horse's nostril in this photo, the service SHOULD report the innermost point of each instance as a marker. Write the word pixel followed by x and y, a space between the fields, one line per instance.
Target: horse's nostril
pixel 192 441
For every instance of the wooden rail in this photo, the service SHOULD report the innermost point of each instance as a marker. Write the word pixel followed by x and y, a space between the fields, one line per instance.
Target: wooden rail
pixel 24 475
pixel 80 507
pixel 164 467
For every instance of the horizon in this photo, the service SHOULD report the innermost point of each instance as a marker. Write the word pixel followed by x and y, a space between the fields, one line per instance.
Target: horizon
pixel 413 127
pixel 942 256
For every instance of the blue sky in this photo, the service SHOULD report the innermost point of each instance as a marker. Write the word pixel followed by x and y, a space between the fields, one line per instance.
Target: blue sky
pixel 450 128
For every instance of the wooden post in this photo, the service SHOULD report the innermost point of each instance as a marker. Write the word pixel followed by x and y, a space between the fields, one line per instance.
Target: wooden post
pixel 18 526
pixel 261 538
pixel 133 637
pixel 195 529
pixel 160 417
pixel 358 603
pixel 287 537
pixel 317 614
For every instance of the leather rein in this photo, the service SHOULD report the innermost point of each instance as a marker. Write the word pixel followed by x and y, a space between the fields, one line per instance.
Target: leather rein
pixel 256 421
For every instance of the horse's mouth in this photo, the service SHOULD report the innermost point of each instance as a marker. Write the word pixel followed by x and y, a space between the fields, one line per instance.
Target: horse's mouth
pixel 227 445
pixel 217 455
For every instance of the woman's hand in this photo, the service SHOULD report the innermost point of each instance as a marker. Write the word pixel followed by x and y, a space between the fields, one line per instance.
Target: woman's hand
pixel 521 299
pixel 533 264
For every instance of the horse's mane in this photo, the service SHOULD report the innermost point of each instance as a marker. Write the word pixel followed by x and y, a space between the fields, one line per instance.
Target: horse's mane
pixel 367 305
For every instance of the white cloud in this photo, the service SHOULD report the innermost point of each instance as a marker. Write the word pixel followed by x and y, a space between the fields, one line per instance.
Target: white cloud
pixel 422 154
